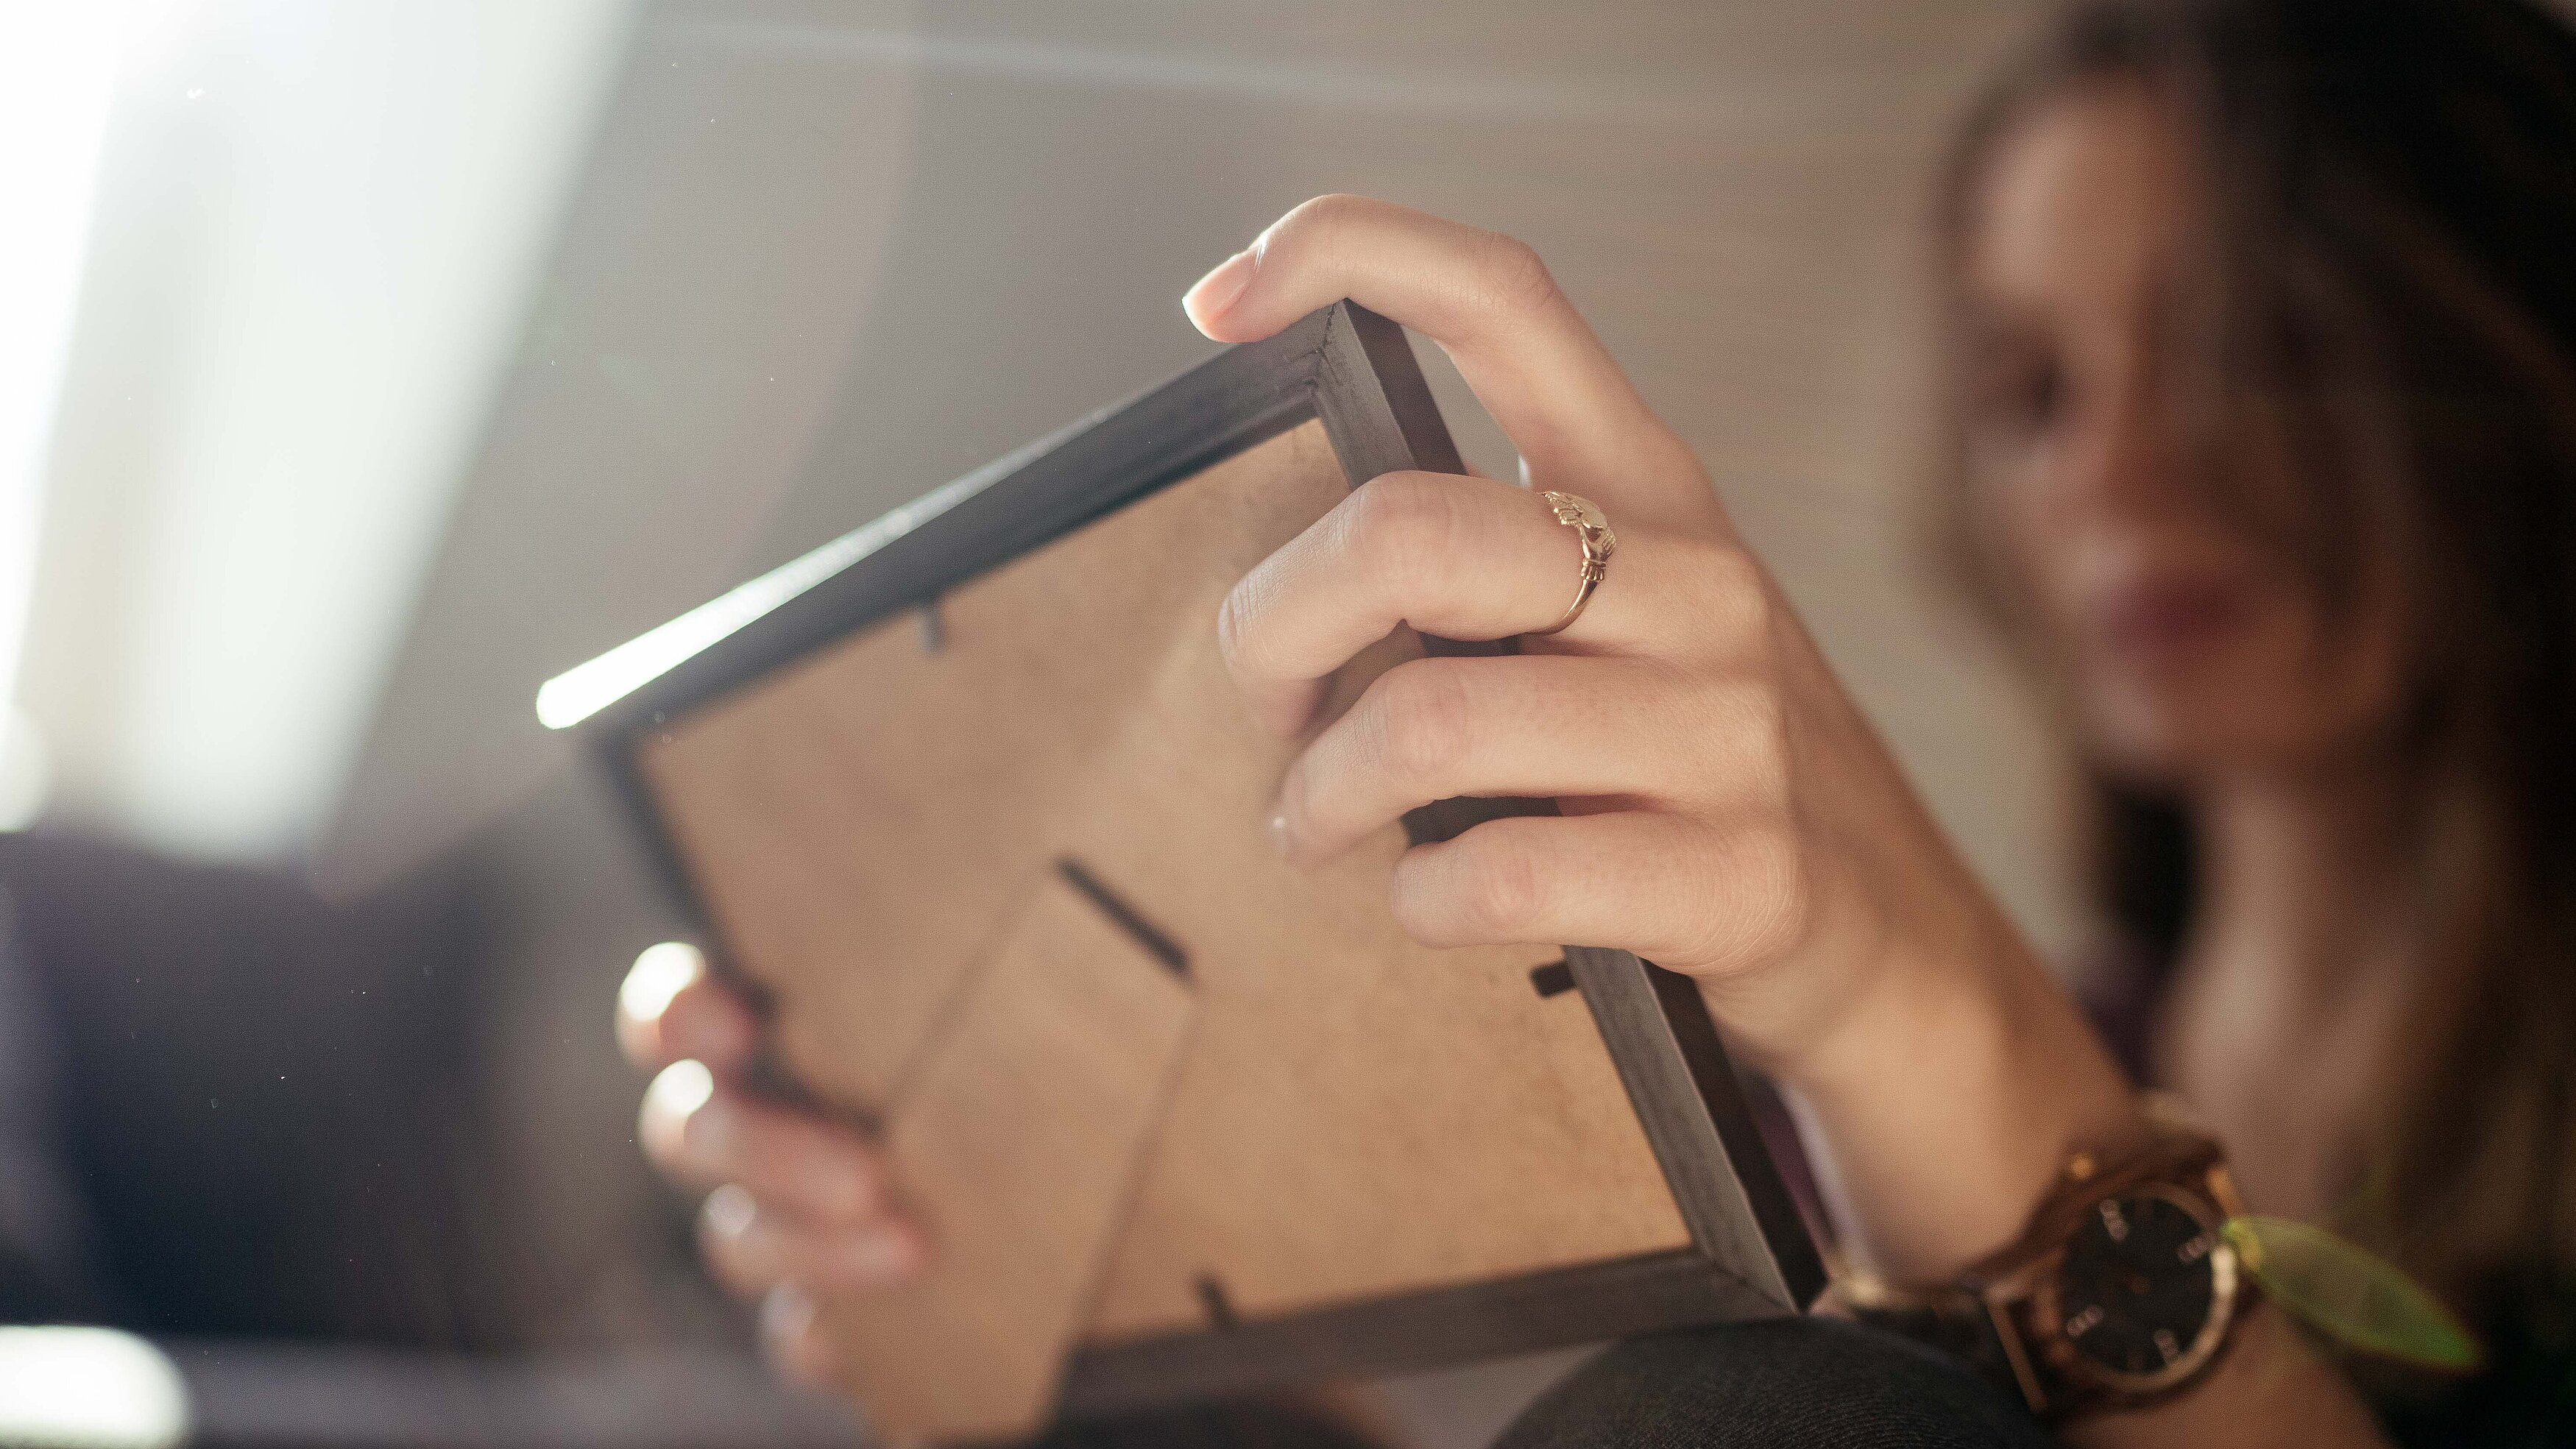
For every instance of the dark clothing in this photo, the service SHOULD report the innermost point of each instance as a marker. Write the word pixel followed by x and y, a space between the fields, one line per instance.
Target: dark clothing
pixel 1790 1383
pixel 225 1107
pixel 1805 1383
pixel 2526 1397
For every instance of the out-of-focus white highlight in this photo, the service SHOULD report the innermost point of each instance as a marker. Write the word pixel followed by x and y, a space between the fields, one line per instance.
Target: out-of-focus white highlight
pixel 328 220
pixel 26 771
pixel 584 690
pixel 88 1388
pixel 58 66
pixel 657 976
pixel 682 1088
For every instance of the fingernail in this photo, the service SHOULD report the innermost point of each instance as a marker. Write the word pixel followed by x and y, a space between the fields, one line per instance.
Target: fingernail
pixel 680 1093
pixel 661 973
pixel 1215 292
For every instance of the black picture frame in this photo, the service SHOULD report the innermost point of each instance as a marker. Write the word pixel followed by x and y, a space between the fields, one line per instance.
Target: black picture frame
pixel 1749 1255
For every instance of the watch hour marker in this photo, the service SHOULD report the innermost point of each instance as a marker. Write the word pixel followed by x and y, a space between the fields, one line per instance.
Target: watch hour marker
pixel 2195 1249
pixel 2084 1322
pixel 2167 1345
pixel 2113 1223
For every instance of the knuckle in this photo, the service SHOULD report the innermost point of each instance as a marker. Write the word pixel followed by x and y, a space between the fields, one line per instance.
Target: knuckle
pixel 1750 726
pixel 1311 224
pixel 1403 527
pixel 1426 721
pixel 1513 277
pixel 1770 911
pixel 1507 894
pixel 1245 633
pixel 1230 625
pixel 1734 595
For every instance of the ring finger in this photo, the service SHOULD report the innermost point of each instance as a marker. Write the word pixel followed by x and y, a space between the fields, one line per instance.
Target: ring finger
pixel 1463 558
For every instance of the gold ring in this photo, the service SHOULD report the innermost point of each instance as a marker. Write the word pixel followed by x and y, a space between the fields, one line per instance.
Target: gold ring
pixel 1584 517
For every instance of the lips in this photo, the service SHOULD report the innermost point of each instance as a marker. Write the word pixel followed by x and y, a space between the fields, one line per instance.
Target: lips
pixel 2163 622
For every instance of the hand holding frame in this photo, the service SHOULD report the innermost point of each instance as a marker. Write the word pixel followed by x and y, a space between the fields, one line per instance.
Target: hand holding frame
pixel 1728 813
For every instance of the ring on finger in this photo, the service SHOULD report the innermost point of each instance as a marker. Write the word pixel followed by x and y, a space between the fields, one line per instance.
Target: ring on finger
pixel 1584 517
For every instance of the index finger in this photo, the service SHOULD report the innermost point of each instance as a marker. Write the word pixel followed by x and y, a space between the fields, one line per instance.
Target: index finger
pixel 1490 303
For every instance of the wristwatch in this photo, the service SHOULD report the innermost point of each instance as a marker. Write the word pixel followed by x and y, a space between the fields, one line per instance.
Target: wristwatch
pixel 2121 1291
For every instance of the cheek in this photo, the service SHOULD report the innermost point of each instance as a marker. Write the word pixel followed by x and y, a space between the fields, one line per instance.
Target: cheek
pixel 2040 545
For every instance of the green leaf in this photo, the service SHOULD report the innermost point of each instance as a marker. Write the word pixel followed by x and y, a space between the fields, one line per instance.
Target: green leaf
pixel 2350 1295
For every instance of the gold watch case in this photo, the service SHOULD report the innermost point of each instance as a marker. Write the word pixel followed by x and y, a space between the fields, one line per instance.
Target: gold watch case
pixel 2027 1300
pixel 2048 1321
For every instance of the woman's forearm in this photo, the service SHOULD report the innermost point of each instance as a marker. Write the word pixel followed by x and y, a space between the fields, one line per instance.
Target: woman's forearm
pixel 2007 1081
pixel 2001 1082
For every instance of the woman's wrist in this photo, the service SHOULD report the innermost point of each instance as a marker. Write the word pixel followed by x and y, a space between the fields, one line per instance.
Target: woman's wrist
pixel 1946 1095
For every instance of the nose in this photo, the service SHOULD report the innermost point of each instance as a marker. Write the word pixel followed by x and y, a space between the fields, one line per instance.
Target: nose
pixel 2122 456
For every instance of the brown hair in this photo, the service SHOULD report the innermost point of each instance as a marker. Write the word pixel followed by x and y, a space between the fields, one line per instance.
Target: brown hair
pixel 2391 272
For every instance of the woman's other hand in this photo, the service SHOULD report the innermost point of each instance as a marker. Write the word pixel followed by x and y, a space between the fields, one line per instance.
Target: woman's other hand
pixel 1727 813
pixel 802 1205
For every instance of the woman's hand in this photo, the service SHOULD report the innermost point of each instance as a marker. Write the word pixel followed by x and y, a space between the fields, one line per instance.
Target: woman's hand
pixel 1727 813
pixel 802 1205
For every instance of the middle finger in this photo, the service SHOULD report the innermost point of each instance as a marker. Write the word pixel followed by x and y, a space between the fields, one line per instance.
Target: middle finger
pixel 1535 724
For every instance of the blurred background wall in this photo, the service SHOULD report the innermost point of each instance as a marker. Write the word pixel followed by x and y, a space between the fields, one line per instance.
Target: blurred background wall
pixel 424 348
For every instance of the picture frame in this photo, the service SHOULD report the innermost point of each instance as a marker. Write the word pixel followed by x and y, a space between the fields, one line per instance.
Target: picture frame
pixel 1748 1254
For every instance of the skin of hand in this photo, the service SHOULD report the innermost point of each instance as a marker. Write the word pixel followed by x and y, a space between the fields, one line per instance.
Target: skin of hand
pixel 802 1205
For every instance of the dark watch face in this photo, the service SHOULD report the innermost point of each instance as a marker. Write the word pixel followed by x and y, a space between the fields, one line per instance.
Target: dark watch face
pixel 2143 1292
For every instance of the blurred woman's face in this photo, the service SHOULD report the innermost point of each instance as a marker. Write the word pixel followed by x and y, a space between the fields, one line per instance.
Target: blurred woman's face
pixel 2191 651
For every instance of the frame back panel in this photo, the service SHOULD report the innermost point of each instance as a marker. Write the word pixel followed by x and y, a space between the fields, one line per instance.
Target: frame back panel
pixel 1357 1117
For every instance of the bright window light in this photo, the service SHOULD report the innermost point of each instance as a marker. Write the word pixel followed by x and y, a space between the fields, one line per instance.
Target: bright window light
pixel 58 66
pixel 88 1388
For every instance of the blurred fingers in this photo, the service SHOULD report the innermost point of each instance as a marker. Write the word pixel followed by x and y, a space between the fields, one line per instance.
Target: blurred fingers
pixel 752 1245
pixel 697 1130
